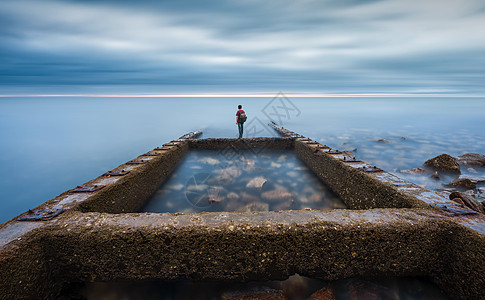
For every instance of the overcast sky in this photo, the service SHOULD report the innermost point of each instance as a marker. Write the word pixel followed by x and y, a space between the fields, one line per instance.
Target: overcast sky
pixel 244 46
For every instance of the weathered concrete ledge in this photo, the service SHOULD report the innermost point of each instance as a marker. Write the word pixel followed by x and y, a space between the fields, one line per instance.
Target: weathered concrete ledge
pixel 243 144
pixel 93 234
pixel 242 247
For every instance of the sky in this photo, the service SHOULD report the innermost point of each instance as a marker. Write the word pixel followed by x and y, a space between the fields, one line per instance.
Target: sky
pixel 425 47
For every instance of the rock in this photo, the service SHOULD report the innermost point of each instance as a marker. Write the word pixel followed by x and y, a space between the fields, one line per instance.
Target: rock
pixel 275 165
pixel 232 196
pixel 443 162
pixel 296 286
pixel 481 193
pixel 303 199
pixel 446 193
pixel 308 190
pixel 278 186
pixel 382 141
pixel 266 294
pixel 229 172
pixel 223 179
pixel 215 199
pixel 360 289
pixel 275 195
pixel 471 159
pixel 467 181
pixel 463 183
pixel 459 201
pixel 197 187
pixel 209 160
pixel 285 205
pixel 247 198
pixel 323 294
pixel 256 183
pixel 215 194
pixel 435 175
pixel 473 178
pixel 414 171
pixel 468 201
pixel 255 206
pixel 315 198
pixel 251 168
pixel 176 187
pixel 226 175
pixel 233 205
pixel 248 162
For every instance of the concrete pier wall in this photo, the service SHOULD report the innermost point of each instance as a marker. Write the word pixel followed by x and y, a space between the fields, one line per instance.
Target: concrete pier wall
pixel 357 189
pixel 234 247
pixel 93 233
pixel 130 192
pixel 243 144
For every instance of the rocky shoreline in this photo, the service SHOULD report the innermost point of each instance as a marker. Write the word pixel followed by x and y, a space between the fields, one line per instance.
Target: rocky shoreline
pixel 465 189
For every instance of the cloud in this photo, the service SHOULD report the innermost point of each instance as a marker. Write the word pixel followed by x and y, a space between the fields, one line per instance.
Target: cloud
pixel 305 45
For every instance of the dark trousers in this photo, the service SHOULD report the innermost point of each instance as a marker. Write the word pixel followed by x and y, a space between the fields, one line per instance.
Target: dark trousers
pixel 240 127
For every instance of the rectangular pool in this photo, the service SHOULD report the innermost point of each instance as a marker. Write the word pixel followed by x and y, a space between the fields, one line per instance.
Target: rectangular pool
pixel 242 181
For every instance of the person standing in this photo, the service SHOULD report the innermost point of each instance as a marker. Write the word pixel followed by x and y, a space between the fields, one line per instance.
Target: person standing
pixel 240 119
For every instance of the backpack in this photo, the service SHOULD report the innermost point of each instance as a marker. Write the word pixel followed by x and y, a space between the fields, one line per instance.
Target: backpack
pixel 242 116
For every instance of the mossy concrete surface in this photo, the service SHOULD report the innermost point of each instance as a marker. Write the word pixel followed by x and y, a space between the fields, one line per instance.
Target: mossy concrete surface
pixel 394 228
pixel 245 246
pixel 242 144
pixel 131 191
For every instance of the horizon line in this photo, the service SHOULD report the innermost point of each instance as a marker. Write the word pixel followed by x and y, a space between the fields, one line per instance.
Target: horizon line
pixel 260 95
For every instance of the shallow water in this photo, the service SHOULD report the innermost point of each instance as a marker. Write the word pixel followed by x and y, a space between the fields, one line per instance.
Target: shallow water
pixel 50 145
pixel 294 288
pixel 244 181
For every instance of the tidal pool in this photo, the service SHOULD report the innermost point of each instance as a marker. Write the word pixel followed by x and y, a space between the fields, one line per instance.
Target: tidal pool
pixel 242 181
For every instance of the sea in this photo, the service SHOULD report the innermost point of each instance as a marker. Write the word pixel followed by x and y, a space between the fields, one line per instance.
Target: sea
pixel 52 144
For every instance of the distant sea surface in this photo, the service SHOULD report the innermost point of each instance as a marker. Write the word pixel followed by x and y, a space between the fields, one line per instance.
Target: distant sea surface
pixel 50 145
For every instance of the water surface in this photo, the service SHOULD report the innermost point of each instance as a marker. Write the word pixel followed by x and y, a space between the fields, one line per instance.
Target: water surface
pixel 243 181
pixel 294 288
pixel 50 145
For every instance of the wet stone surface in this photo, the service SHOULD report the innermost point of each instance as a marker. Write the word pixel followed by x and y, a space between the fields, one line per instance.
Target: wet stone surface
pixel 242 181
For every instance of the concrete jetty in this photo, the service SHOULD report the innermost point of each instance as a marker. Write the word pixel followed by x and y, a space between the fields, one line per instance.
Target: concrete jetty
pixel 93 232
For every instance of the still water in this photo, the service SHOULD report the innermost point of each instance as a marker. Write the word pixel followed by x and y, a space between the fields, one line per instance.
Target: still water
pixel 294 288
pixel 49 145
pixel 243 181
